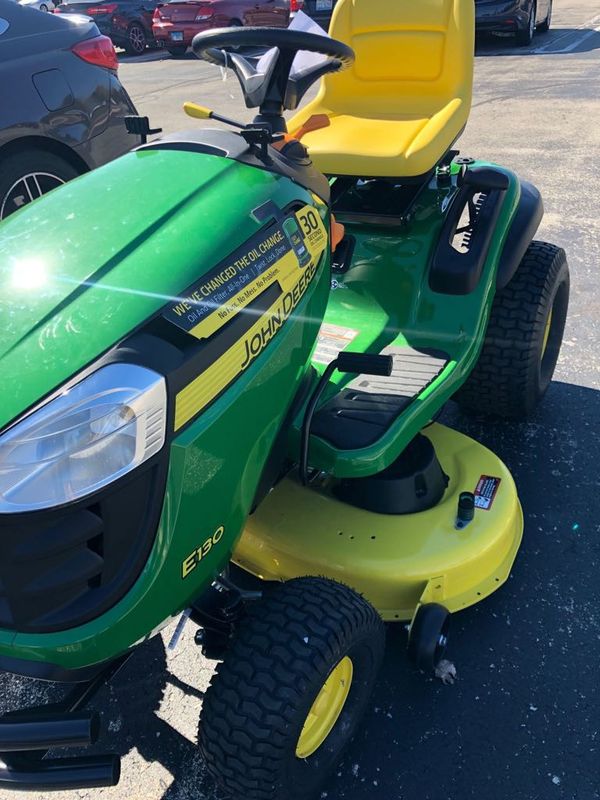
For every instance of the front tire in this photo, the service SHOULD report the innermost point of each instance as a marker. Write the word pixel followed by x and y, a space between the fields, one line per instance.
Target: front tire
pixel 291 691
pixel 523 339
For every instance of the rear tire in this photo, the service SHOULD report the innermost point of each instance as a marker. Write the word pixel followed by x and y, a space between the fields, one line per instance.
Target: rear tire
pixel 263 697
pixel 523 338
pixel 178 52
pixel 26 175
pixel 544 26
pixel 137 41
pixel 525 37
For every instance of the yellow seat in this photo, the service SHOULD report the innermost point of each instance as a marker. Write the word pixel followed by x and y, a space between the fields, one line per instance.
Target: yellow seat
pixel 407 98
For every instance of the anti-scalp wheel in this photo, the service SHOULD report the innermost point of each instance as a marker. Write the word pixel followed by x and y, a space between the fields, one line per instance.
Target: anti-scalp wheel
pixel 428 636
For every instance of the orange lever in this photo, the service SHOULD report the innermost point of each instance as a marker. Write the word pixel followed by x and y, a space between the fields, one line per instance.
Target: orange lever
pixel 337 233
pixel 314 123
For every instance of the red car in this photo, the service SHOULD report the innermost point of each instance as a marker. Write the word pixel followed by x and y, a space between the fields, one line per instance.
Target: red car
pixel 175 23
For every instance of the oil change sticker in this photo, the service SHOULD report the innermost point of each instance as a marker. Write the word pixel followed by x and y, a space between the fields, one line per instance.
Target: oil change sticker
pixel 280 252
pixel 486 491
pixel 332 340
pixel 220 374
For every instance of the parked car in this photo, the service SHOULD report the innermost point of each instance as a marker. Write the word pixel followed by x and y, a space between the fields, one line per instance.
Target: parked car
pixel 41 5
pixel 519 17
pixel 176 22
pixel 127 22
pixel 319 10
pixel 63 106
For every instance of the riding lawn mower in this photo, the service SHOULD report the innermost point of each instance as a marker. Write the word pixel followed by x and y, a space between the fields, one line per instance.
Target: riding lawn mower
pixel 225 354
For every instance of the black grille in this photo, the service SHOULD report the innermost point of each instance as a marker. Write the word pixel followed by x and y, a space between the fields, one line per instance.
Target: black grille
pixel 59 569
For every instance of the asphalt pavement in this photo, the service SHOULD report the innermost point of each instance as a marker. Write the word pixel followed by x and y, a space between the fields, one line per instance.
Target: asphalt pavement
pixel 523 719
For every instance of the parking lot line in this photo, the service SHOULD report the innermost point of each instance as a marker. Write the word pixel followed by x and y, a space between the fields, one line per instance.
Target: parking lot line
pixel 585 28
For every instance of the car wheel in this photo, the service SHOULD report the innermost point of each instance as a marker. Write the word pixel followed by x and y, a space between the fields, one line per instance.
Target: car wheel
pixel 26 176
pixel 525 36
pixel 178 52
pixel 544 26
pixel 136 40
pixel 43 7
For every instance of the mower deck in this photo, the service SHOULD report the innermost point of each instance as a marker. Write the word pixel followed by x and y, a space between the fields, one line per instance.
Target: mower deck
pixel 396 562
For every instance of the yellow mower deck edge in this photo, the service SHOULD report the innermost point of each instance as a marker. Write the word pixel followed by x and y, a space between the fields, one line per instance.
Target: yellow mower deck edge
pixel 396 562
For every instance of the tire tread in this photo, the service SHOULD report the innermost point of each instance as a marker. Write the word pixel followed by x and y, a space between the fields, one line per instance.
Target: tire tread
pixel 505 381
pixel 252 702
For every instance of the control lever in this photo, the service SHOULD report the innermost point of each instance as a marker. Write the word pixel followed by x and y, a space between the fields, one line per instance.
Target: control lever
pixel 202 112
pixel 355 363
pixel 255 135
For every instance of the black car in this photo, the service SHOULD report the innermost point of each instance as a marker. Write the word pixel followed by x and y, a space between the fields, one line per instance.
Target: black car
pixel 518 17
pixel 127 22
pixel 319 10
pixel 63 105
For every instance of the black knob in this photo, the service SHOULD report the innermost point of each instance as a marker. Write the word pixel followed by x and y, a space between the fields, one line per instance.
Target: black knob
pixel 466 507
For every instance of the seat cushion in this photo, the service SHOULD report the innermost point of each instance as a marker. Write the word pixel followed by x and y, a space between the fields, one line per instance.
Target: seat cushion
pixel 399 109
pixel 395 147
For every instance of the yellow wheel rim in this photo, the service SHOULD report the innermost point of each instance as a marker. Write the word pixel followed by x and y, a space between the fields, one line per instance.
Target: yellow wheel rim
pixel 326 709
pixel 547 332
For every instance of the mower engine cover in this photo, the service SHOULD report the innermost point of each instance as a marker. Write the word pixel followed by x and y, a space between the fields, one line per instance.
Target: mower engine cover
pixel 151 351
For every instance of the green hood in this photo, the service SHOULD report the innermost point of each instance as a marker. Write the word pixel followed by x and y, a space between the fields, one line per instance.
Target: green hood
pixel 84 266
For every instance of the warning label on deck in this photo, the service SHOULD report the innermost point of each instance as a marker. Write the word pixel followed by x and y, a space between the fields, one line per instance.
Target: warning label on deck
pixel 486 491
pixel 279 253
pixel 332 340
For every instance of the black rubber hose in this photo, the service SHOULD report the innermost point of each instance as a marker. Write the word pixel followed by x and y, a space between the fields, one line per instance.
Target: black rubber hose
pixel 89 772
pixel 42 731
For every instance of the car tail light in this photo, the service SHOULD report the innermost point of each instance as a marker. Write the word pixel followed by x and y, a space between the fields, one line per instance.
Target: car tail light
pixel 161 12
pixel 99 51
pixel 109 8
pixel 296 5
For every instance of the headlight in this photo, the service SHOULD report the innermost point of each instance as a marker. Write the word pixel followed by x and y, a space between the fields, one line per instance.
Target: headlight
pixel 101 428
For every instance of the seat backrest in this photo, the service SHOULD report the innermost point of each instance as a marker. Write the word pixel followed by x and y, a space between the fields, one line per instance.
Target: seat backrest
pixel 412 56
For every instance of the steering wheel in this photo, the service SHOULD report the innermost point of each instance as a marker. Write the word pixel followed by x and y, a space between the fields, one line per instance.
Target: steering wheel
pixel 270 88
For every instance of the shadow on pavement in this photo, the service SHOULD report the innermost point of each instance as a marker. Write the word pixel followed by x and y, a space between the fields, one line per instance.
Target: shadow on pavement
pixel 134 699
pixel 559 41
pixel 521 721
